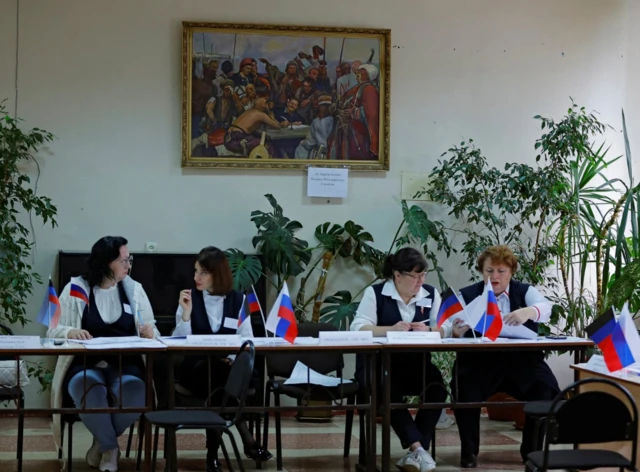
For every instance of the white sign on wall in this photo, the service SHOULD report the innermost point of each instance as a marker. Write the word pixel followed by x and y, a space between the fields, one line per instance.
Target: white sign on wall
pixel 327 182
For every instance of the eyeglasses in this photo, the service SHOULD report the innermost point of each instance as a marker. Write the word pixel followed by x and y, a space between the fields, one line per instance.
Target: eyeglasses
pixel 419 276
pixel 124 262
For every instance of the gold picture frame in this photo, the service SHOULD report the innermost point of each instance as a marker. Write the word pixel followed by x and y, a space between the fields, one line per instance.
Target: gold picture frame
pixel 285 97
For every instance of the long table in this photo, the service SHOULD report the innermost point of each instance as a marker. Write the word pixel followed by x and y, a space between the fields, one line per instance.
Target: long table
pixel 578 346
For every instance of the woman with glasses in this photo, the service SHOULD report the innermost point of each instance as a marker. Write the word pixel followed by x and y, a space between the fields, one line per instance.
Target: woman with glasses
pixel 104 302
pixel 405 303
pixel 213 307
pixel 524 375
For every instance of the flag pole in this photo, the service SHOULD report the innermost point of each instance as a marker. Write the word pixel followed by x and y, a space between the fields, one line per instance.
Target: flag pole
pixel 48 305
pixel 466 314
pixel 264 321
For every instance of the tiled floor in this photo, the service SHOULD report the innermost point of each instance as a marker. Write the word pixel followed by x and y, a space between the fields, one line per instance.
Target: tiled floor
pixel 306 448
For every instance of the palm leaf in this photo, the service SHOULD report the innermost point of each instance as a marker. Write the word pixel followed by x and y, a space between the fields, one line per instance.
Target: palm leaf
pixel 246 270
pixel 330 236
pixel 362 251
pixel 340 309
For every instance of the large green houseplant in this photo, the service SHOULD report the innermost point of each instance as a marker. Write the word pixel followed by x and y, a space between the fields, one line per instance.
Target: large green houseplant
pixel 17 202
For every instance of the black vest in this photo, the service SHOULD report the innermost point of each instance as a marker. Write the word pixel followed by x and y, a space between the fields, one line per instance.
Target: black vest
pixel 388 311
pixel 200 321
pixel 95 325
pixel 517 291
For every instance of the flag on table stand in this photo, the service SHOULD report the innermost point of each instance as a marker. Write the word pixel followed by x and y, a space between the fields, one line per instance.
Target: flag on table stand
pixel 253 304
pixel 49 314
pixel 610 337
pixel 630 333
pixel 281 320
pixel 449 307
pixel 484 314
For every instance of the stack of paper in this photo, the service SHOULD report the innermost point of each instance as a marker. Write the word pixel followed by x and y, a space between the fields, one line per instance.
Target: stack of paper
pixel 304 375
pixel 122 342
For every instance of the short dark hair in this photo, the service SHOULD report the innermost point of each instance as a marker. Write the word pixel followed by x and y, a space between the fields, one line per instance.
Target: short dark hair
pixel 104 252
pixel 214 261
pixel 406 259
pixel 227 67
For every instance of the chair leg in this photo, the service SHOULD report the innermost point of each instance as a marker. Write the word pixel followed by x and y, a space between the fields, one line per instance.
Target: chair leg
pixel 236 451
pixel 156 434
pixel 433 445
pixel 141 429
pixel 265 436
pixel 166 444
pixel 258 438
pixel 362 450
pixel 129 439
pixel 276 398
pixel 225 453
pixel 20 431
pixel 348 428
pixel 70 448
pixel 62 423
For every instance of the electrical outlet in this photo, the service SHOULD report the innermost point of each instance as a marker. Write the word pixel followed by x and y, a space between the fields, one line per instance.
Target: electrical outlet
pixel 151 246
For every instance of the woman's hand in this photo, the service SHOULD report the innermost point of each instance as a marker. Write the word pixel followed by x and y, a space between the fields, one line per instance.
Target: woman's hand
pixel 79 334
pixel 459 328
pixel 517 317
pixel 418 326
pixel 401 326
pixel 186 304
pixel 146 331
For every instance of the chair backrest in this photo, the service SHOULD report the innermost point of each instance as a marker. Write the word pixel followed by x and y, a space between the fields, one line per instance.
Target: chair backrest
pixel 4 329
pixel 240 377
pixel 594 416
pixel 281 364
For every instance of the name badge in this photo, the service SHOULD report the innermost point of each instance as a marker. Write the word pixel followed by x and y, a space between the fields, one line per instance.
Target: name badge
pixel 127 308
pixel 214 340
pixel 413 337
pixel 425 303
pixel 346 337
pixel 231 323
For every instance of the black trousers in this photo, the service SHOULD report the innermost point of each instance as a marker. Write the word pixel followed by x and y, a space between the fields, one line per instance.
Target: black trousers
pixel 413 374
pixel 525 376
pixel 195 377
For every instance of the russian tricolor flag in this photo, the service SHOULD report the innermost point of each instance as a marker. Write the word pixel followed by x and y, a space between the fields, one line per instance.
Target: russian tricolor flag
pixel 78 292
pixel 617 339
pixel 49 314
pixel 449 307
pixel 485 315
pixel 281 320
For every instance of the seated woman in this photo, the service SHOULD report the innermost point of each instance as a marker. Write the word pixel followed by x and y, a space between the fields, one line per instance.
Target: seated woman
pixel 113 305
pixel 405 303
pixel 213 308
pixel 523 375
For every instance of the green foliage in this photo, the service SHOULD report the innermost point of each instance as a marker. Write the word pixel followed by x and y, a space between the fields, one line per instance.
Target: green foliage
pixel 285 255
pixel 17 197
pixel 340 309
pixel 246 270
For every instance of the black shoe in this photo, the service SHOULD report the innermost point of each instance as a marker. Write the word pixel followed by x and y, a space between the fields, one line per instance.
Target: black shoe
pixel 213 465
pixel 258 454
pixel 469 461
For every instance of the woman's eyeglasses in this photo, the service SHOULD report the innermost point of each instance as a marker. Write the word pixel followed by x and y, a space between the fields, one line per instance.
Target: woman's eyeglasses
pixel 124 262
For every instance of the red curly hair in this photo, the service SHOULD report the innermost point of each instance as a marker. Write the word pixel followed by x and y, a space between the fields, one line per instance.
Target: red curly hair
pixel 499 255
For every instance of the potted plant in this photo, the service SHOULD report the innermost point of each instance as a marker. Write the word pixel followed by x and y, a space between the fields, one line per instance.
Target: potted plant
pixel 17 277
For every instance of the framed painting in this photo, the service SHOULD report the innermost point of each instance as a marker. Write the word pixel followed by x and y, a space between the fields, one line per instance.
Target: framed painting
pixel 287 97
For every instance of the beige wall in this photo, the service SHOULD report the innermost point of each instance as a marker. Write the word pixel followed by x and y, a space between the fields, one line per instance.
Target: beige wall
pixel 104 77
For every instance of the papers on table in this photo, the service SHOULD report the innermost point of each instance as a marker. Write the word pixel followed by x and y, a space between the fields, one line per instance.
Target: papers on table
pixel 302 374
pixel 413 337
pixel 517 332
pixel 119 342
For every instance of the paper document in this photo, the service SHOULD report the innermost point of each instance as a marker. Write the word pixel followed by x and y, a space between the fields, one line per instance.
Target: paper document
pixel 174 340
pixel 304 375
pixel 152 344
pixel 517 332
pixel 112 340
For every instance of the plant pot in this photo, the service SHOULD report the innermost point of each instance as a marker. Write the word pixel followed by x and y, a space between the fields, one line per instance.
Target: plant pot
pixel 314 416
pixel 513 413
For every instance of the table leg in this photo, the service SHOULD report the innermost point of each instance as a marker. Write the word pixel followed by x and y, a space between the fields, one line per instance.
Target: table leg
pixel 149 405
pixel 371 459
pixel 386 416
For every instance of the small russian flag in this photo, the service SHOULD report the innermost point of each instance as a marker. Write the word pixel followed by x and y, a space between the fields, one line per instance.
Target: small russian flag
pixel 281 320
pixel 78 292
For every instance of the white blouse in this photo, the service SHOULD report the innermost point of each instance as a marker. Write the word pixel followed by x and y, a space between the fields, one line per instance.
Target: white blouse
pixel 214 305
pixel 108 303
